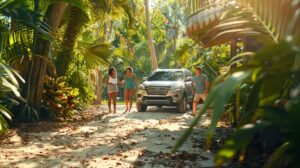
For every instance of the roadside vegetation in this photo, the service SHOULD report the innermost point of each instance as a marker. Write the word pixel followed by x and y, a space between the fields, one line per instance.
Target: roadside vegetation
pixel 54 56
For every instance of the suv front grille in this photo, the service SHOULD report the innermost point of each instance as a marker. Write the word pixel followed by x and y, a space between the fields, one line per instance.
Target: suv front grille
pixel 157 90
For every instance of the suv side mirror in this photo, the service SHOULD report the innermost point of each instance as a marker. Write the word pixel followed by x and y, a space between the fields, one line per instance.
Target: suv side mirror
pixel 144 78
pixel 188 79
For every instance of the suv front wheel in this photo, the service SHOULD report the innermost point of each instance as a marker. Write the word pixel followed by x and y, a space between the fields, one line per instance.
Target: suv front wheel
pixel 182 106
pixel 140 107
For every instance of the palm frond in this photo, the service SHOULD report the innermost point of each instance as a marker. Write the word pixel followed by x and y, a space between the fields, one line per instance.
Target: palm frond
pixel 4 115
pixel 17 27
pixel 81 4
pixel 8 83
pixel 115 9
pixel 269 20
pixel 24 17
pixel 97 54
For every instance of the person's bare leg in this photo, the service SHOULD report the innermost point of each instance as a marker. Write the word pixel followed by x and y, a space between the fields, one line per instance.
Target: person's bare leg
pixel 115 102
pixel 203 97
pixel 126 94
pixel 194 108
pixel 109 102
pixel 131 97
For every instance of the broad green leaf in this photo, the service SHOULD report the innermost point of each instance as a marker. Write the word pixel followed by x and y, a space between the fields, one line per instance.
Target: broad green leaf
pixel 3 122
pixel 218 97
pixel 271 88
pixel 223 93
pixel 12 87
pixel 277 155
pixel 4 111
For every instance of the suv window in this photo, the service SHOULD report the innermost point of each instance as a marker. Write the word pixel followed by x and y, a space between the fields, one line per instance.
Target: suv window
pixel 187 73
pixel 166 76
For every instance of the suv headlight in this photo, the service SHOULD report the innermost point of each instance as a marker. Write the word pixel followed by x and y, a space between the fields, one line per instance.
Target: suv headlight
pixel 175 87
pixel 141 86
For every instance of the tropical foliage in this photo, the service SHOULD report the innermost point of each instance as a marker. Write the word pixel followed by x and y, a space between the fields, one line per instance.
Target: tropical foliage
pixel 45 39
pixel 60 100
pixel 8 85
pixel 55 45
pixel 264 91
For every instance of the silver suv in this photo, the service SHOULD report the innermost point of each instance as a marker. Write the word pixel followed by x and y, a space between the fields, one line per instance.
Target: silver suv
pixel 166 87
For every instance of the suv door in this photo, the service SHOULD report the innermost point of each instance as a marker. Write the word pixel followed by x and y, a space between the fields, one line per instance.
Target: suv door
pixel 188 85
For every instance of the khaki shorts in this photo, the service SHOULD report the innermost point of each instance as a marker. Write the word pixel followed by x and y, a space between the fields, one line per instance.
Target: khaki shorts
pixel 197 97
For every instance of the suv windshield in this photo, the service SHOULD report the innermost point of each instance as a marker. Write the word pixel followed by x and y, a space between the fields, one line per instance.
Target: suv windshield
pixel 166 76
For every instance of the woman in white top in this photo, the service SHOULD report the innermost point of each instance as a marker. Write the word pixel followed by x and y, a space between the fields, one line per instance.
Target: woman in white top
pixel 112 87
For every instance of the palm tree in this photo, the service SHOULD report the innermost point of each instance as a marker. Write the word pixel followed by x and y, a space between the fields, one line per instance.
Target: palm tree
pixel 76 20
pixel 31 31
pixel 41 50
pixel 95 50
pixel 150 39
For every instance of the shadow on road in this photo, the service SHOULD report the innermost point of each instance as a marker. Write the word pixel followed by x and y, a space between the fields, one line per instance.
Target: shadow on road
pixel 114 140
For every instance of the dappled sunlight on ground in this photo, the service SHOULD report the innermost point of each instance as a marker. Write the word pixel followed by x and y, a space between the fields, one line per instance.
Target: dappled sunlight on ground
pixel 110 140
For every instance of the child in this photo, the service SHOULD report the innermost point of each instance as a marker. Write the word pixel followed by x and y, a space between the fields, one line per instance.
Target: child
pixel 130 82
pixel 112 88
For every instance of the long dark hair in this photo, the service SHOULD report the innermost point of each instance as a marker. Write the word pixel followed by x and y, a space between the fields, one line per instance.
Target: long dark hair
pixel 110 70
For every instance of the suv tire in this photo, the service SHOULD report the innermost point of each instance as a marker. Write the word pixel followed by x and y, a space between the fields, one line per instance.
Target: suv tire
pixel 182 106
pixel 140 107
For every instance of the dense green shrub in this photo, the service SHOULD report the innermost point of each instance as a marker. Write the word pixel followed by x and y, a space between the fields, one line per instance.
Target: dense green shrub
pixel 80 79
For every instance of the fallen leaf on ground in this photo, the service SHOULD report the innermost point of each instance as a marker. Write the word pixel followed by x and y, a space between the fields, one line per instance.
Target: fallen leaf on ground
pixel 105 158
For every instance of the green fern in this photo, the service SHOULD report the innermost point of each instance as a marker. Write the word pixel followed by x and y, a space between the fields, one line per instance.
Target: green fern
pixel 8 84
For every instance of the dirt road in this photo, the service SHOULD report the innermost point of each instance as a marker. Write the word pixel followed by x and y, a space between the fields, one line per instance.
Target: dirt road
pixel 107 140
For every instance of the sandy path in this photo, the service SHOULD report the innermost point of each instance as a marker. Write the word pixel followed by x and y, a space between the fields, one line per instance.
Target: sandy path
pixel 112 140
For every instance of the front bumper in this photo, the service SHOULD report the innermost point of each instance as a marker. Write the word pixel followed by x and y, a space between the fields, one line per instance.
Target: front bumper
pixel 173 97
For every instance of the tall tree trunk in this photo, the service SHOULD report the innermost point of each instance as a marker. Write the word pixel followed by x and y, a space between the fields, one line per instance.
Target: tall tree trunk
pixel 73 29
pixel 107 30
pixel 150 39
pixel 100 77
pixel 99 81
pixel 41 51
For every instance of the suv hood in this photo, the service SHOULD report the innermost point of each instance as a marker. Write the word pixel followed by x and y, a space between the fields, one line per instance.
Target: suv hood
pixel 161 83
